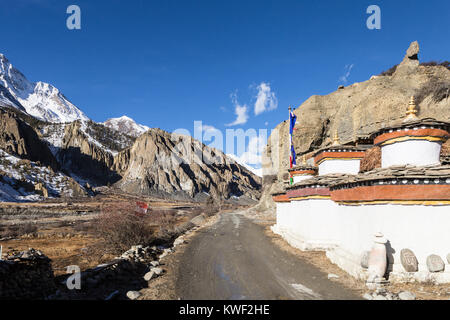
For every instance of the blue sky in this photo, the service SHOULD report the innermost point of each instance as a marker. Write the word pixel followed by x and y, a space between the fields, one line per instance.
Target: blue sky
pixel 168 63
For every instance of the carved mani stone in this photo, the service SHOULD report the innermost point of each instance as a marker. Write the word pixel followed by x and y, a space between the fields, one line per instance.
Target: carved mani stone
pixel 409 260
pixel 435 263
pixel 365 259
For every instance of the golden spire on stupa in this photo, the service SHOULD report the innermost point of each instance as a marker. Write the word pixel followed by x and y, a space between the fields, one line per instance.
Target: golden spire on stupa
pixel 304 160
pixel 411 112
pixel 336 139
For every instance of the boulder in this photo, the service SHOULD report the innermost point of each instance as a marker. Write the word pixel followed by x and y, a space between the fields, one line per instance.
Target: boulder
pixel 435 263
pixel 406 295
pixel 150 275
pixel 178 241
pixel 133 295
pixel 198 220
pixel 158 271
pixel 365 259
pixel 154 263
pixel 409 260
pixel 367 296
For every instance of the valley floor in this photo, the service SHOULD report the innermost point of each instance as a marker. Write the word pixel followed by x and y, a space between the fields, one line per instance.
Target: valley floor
pixel 62 229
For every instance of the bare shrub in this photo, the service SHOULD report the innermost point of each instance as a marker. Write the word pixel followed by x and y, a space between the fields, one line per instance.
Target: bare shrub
pixel 211 207
pixel 445 64
pixel 62 224
pixel 437 89
pixel 389 72
pixel 27 228
pixel 8 232
pixel 165 222
pixel 84 227
pixel 120 227
pixel 18 230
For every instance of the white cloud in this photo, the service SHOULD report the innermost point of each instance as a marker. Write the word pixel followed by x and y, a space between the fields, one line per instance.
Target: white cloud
pixel 265 99
pixel 206 128
pixel 241 112
pixel 255 169
pixel 348 69
pixel 252 157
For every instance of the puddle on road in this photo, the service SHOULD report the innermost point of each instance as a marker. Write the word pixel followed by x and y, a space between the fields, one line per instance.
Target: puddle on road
pixel 236 221
pixel 234 289
pixel 305 290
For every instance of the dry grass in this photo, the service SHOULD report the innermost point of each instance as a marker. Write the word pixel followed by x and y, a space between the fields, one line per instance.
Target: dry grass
pixel 389 72
pixel 62 251
pixel 436 88
pixel 69 238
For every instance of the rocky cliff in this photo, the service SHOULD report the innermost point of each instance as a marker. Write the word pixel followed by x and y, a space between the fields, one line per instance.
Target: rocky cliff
pixel 19 138
pixel 160 163
pixel 83 156
pixel 361 108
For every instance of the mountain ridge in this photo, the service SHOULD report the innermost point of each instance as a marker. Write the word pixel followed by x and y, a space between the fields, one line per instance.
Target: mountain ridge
pixel 126 125
pixel 39 99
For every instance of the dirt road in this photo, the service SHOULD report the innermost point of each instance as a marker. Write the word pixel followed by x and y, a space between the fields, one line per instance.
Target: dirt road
pixel 234 259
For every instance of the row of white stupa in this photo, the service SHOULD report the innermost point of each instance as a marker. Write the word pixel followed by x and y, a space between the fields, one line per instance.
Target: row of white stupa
pixel 407 200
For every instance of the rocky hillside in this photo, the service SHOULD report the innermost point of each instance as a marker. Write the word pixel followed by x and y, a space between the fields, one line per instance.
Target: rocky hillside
pixel 361 108
pixel 154 165
pixel 67 159
pixel 18 138
pixel 29 170
pixel 86 150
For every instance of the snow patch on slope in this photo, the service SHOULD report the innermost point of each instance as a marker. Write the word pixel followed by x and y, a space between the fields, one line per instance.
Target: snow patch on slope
pixel 17 174
pixel 126 125
pixel 256 171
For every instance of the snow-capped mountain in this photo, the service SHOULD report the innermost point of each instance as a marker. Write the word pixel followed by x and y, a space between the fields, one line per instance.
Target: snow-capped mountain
pixel 39 99
pixel 126 125
pixel 238 160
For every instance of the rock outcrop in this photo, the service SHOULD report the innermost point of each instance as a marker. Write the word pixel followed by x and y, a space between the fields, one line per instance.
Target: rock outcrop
pixel 160 163
pixel 81 155
pixel 19 138
pixel 361 108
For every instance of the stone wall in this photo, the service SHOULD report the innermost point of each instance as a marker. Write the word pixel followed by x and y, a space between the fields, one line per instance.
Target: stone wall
pixel 26 275
pixel 346 232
